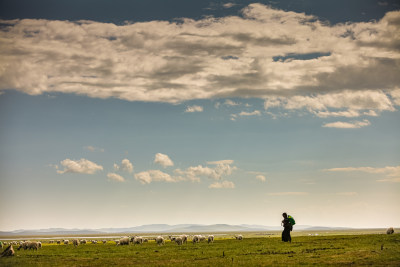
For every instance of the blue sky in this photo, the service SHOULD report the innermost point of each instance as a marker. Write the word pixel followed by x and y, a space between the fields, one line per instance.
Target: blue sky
pixel 139 112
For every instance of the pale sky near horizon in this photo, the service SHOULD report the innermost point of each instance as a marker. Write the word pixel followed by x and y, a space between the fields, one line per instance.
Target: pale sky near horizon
pixel 211 112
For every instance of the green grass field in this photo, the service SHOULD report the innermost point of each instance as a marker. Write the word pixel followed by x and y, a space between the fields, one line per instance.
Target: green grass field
pixel 254 250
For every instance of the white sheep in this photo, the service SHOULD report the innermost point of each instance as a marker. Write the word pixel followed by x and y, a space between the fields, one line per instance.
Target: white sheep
pixel 196 239
pixel 40 244
pixel 390 231
pixel 184 239
pixel 239 237
pixel 160 240
pixel 29 245
pixel 94 242
pixel 83 241
pixel 123 241
pixel 210 239
pixel 137 240
pixel 116 242
pixel 76 242
pixel 66 242
pixel 58 242
pixel 179 240
pixel 104 241
pixel 202 238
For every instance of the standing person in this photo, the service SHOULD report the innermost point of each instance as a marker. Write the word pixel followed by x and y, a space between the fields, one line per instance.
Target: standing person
pixel 287 227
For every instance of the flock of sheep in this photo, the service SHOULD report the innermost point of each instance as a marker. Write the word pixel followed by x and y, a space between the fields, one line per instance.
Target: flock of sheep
pixel 136 240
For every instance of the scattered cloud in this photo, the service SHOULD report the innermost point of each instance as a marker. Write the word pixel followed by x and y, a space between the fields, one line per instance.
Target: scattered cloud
pixel 223 184
pixel 347 125
pixel 261 178
pixel 94 149
pixel 147 177
pixel 126 165
pixel 115 177
pixel 221 169
pixel 253 113
pixel 329 70
pixel 288 194
pixel 229 5
pixel 191 109
pixel 81 166
pixel 163 160
pixel 392 172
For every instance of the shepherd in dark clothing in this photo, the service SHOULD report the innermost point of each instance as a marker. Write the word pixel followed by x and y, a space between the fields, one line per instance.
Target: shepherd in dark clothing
pixel 287 227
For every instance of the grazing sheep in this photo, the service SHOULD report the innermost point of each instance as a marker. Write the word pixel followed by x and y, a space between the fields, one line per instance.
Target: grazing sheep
pixel 58 242
pixel 239 237
pixel 160 240
pixel 40 244
pixel 83 241
pixel 104 241
pixel 66 242
pixel 137 240
pixel 9 251
pixel 29 245
pixel 179 240
pixel 390 231
pixel 202 238
pixel 184 239
pixel 123 241
pixel 145 240
pixel 116 242
pixel 196 239
pixel 76 242
pixel 210 239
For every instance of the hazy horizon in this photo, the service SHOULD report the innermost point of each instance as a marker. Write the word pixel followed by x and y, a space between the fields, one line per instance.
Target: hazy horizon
pixel 232 112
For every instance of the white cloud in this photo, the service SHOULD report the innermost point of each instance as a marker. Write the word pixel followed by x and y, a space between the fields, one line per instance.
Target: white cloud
pixel 221 169
pixel 288 194
pixel 253 113
pixel 261 178
pixel 223 184
pixel 81 166
pixel 126 165
pixel 147 177
pixel 392 172
pixel 94 149
pixel 305 62
pixel 230 103
pixel 195 108
pixel 229 5
pixel 115 177
pixel 347 125
pixel 163 160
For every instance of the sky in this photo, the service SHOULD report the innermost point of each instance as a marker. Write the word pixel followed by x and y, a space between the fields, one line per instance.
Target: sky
pixel 125 113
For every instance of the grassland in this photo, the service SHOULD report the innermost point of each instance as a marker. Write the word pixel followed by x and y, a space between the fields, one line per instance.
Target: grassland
pixel 256 249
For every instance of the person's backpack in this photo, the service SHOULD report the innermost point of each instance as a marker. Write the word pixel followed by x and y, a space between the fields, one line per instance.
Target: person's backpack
pixel 291 220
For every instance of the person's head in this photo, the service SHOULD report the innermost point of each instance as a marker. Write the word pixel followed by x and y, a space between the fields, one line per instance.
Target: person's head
pixel 284 215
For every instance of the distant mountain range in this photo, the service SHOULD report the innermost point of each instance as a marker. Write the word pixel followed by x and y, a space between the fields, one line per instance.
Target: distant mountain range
pixel 163 228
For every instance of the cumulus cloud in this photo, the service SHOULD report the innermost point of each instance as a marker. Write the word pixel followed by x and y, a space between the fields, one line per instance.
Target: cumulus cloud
pixel 392 172
pixel 191 109
pixel 347 125
pixel 94 149
pixel 80 166
pixel 220 169
pixel 163 160
pixel 295 62
pixel 147 177
pixel 223 184
pixel 126 165
pixel 261 178
pixel 115 177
